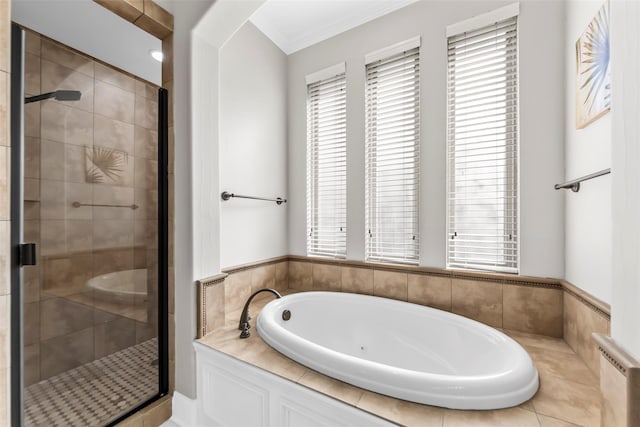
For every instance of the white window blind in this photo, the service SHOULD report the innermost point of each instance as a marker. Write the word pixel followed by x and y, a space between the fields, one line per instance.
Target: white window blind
pixel 482 188
pixel 327 168
pixel 392 157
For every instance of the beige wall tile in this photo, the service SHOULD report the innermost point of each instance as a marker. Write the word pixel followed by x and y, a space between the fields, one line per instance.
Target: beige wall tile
pixel 111 260
pixel 237 289
pixel 4 106
pixel 52 160
pixel 390 284
pixel 31 364
pixel 66 352
pixel 58 77
pixel 59 316
pixel 5 28
pixel 31 210
pixel 113 195
pixel 533 309
pixel 53 200
pixel 300 276
pixel 169 86
pixel 146 143
pixel 146 113
pixel 79 235
pixel 215 306
pixel 263 277
pixel 5 382
pixel 5 187
pixel 111 133
pixel 32 43
pixel 570 320
pixel 53 237
pixel 114 336
pixel 282 276
pixel 60 55
pixel 113 102
pixel 32 283
pixel 62 123
pixel 31 231
pixel 172 287
pixel 31 74
pixel 31 157
pixel 114 77
pixel 32 115
pixel 31 317
pixel 580 321
pixel 5 332
pixel 172 338
pixel 613 390
pixel 481 301
pixel 145 90
pixel 357 280
pixel 589 322
pixel 82 193
pixel 327 277
pixel 112 234
pixel 167 63
pixel 74 163
pixel 172 150
pixel 5 258
pixel 432 291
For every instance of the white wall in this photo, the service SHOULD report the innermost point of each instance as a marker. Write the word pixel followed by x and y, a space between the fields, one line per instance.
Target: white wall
pixel 588 223
pixel 625 305
pixel 90 28
pixel 201 27
pixel 253 147
pixel 541 126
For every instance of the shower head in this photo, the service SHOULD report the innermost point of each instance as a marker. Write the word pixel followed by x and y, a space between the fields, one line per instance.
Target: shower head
pixel 59 95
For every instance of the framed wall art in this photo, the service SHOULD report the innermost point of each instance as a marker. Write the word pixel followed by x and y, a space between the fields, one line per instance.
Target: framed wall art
pixel 593 77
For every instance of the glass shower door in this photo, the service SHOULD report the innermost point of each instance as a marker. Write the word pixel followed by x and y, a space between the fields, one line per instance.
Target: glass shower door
pixel 93 334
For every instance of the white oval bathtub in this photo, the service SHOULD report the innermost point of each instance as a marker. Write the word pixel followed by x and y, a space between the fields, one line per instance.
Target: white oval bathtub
pixel 404 350
pixel 120 286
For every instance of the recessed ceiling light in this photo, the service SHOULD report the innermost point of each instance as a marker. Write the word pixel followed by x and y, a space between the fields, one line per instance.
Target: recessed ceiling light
pixel 156 54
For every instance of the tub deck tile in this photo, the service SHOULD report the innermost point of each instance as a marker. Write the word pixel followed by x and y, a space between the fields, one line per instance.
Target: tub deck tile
pixel 568 396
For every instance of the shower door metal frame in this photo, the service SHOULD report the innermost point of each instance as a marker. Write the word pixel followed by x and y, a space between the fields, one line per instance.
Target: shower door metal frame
pixel 16 201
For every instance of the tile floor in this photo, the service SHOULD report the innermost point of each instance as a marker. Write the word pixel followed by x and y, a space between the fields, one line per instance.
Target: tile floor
pixel 569 393
pixel 94 393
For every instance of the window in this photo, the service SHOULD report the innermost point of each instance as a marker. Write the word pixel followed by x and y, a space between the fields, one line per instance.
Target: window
pixel 392 153
pixel 482 147
pixel 326 161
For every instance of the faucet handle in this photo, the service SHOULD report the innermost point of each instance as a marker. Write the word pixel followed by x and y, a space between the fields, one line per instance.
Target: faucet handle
pixel 245 330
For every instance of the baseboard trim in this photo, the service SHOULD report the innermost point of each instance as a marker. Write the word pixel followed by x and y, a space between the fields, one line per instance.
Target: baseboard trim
pixel 184 410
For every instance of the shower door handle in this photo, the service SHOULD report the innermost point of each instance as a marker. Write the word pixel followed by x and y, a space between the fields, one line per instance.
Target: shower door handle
pixel 27 254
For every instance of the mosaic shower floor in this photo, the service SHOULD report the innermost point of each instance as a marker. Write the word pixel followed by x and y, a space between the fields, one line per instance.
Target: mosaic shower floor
pixel 95 393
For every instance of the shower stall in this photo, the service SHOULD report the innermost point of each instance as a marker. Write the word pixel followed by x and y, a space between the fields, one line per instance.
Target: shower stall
pixel 89 314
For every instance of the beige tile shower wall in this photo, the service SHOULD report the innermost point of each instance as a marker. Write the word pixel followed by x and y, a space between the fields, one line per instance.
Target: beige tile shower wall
pixel 99 150
pixel 5 185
